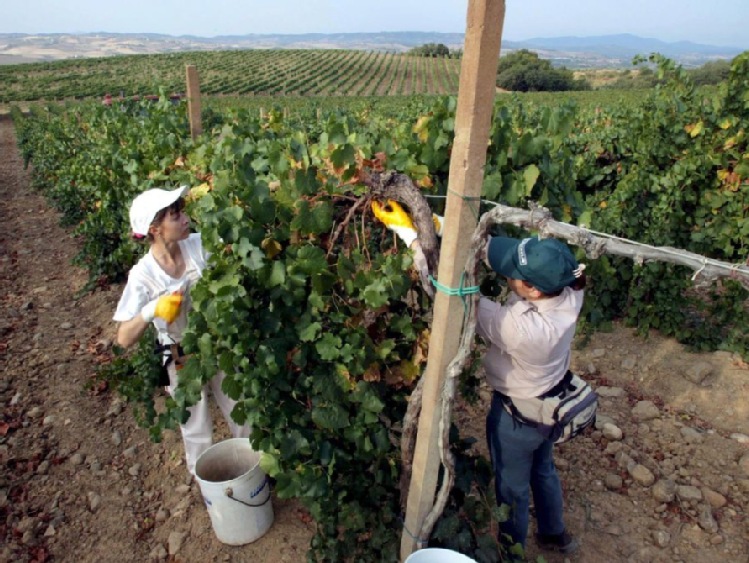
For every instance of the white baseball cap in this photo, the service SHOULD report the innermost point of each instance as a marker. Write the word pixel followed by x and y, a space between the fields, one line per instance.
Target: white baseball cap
pixel 145 207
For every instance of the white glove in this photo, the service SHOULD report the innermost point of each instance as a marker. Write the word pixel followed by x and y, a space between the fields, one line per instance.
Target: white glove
pixel 439 224
pixel 406 234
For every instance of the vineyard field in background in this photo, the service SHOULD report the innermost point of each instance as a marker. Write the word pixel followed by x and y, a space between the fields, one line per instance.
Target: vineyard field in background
pixel 261 72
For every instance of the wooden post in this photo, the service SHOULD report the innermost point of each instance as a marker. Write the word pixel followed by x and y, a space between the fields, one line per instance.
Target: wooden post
pixel 193 101
pixel 472 124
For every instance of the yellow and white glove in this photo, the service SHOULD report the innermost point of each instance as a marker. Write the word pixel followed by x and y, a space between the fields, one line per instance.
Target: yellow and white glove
pixel 395 218
pixel 439 224
pixel 165 307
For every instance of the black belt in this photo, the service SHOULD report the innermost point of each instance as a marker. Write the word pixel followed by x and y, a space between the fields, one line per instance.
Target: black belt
pixel 172 353
pixel 558 388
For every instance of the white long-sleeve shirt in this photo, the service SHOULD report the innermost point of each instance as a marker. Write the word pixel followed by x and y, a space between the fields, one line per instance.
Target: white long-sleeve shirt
pixel 528 342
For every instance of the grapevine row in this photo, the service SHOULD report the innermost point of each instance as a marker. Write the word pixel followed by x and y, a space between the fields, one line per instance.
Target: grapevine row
pixel 258 72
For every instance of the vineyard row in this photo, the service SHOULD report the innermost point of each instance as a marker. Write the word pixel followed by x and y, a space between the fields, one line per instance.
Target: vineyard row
pixel 253 72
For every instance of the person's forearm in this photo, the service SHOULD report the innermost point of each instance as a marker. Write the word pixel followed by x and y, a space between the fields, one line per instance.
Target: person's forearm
pixel 129 332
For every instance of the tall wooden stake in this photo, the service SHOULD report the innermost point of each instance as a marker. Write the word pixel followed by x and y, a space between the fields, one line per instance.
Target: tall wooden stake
pixel 193 101
pixel 472 123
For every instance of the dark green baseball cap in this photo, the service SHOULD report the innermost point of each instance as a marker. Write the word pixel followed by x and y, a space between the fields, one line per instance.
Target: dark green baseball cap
pixel 547 264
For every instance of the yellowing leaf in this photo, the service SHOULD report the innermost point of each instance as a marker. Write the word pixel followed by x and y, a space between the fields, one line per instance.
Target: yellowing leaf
pixel 530 175
pixel 421 347
pixel 197 192
pixel 404 373
pixel 421 128
pixel 345 376
pixel 372 373
pixel 696 129
pixel 425 182
pixel 725 124
pixel 723 174
pixel 271 247
pixel 603 205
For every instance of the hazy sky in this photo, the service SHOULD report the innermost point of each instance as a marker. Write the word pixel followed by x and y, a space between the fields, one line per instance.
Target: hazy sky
pixel 715 22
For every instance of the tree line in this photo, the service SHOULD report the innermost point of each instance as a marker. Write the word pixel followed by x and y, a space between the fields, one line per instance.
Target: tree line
pixel 525 71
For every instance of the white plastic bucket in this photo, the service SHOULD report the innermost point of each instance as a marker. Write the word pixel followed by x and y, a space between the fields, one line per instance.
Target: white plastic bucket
pixel 236 491
pixel 438 555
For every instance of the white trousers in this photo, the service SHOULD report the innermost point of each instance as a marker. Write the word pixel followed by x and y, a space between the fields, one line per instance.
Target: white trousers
pixel 197 432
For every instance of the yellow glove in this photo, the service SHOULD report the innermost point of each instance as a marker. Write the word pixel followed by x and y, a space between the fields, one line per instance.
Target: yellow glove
pixel 392 214
pixel 395 218
pixel 165 307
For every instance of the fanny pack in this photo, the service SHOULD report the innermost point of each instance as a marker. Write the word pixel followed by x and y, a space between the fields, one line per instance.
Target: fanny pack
pixel 561 413
pixel 169 353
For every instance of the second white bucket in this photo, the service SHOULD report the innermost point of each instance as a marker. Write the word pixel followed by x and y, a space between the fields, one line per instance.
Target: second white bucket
pixel 438 555
pixel 236 491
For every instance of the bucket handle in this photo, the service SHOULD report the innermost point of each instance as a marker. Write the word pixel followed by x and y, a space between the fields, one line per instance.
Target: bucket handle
pixel 229 492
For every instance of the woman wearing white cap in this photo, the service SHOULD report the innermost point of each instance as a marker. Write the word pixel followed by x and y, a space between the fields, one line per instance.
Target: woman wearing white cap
pixel 157 292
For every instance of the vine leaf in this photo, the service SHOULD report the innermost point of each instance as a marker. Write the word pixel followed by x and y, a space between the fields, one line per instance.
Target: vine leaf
pixel 310 332
pixel 329 347
pixel 252 256
pixel 332 417
pixel 530 174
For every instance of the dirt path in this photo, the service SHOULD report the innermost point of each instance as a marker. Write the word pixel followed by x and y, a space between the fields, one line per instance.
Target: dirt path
pixel 81 482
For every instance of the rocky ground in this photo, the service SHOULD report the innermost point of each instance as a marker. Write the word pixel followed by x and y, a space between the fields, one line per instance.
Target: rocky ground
pixel 665 477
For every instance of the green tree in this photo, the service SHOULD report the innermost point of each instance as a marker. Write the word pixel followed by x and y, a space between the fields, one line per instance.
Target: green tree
pixel 712 72
pixel 431 50
pixel 525 71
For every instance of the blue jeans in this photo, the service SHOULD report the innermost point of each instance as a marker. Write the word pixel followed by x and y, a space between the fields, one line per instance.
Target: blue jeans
pixel 522 461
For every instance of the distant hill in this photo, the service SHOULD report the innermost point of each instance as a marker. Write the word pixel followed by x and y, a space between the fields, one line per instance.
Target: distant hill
pixel 618 50
pixel 626 42
pixel 608 51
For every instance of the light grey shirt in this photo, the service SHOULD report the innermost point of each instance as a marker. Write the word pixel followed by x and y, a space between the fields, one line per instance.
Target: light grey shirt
pixel 528 342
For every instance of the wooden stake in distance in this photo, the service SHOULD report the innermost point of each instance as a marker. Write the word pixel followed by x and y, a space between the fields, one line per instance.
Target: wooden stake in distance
pixel 193 101
pixel 472 124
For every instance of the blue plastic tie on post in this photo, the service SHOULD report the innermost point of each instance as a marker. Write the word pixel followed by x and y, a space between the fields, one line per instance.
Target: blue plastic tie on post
pixel 460 291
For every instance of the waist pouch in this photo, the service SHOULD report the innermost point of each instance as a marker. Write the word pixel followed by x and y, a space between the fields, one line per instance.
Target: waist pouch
pixel 169 353
pixel 561 413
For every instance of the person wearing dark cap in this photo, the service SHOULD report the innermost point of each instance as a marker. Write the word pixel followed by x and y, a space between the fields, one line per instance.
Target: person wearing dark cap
pixel 529 340
pixel 157 292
